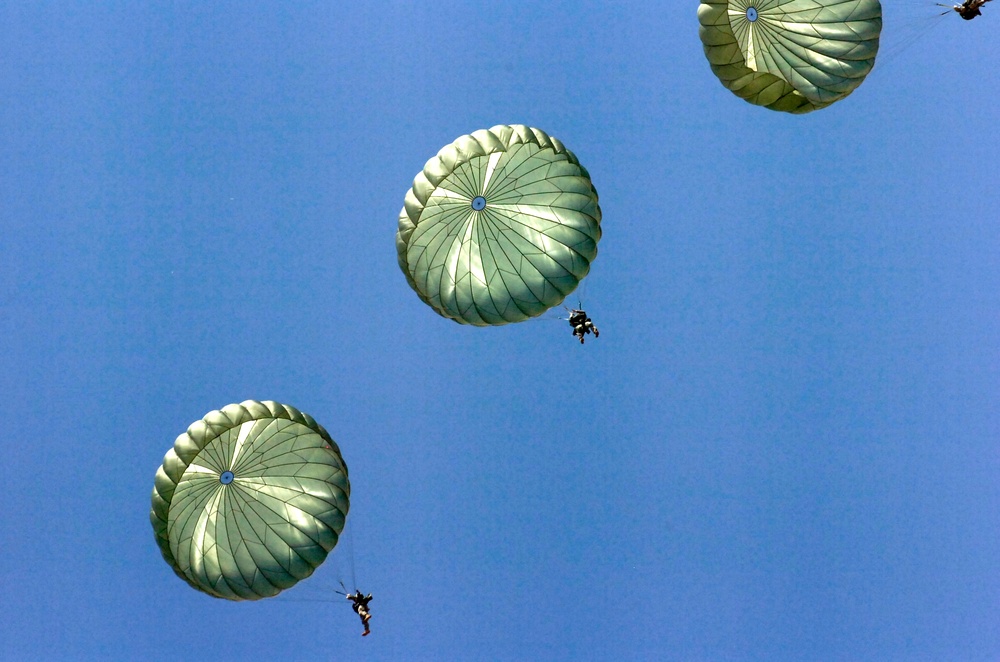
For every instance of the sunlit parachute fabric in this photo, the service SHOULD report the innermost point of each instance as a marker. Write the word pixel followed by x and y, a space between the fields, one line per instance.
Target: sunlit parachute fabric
pixel 499 227
pixel 791 55
pixel 250 500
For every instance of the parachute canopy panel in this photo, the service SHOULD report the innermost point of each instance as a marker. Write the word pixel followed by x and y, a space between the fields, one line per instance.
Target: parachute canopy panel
pixel 250 500
pixel 791 55
pixel 499 227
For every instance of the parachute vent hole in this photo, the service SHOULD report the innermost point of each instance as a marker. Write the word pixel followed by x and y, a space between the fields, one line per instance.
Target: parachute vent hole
pixel 479 203
pixel 226 477
pixel 752 14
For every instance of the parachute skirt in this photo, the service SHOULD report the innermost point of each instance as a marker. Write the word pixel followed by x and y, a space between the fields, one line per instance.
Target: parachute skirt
pixel 250 500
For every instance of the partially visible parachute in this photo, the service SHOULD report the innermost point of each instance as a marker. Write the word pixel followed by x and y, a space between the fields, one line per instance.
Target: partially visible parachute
pixel 250 500
pixel 791 55
pixel 499 227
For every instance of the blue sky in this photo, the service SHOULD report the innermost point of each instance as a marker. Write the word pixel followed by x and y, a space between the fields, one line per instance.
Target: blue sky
pixel 783 445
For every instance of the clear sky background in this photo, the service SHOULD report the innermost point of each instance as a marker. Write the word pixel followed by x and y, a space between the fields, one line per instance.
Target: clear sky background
pixel 784 445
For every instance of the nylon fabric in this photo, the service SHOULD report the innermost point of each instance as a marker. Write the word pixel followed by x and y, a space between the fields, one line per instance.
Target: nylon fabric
pixel 798 55
pixel 524 251
pixel 277 519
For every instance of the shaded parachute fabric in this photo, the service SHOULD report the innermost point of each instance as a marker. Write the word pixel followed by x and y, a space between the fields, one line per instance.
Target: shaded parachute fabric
pixel 791 55
pixel 250 500
pixel 499 227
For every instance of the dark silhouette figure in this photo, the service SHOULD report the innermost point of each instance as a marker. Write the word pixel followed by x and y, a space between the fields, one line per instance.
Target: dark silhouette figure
pixel 581 324
pixel 359 603
pixel 970 9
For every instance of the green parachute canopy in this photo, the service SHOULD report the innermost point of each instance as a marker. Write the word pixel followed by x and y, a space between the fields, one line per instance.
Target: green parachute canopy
pixel 791 55
pixel 250 500
pixel 499 227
